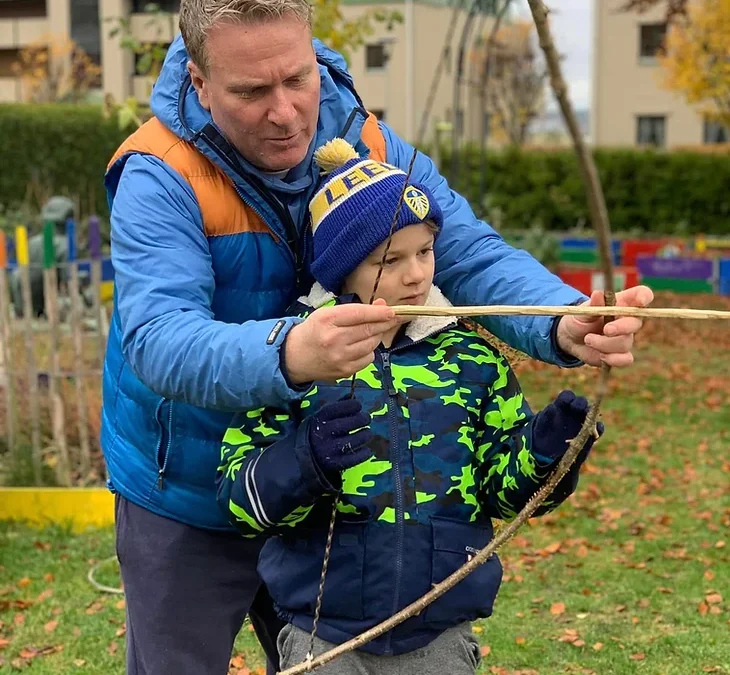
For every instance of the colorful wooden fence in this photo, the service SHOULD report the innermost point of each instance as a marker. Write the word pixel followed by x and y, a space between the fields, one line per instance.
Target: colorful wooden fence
pixel 51 364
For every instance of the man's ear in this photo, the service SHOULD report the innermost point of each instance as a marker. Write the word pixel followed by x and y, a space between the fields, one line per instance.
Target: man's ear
pixel 200 82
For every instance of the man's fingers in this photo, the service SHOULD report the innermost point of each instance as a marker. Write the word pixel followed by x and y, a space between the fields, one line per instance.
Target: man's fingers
pixel 609 345
pixel 636 296
pixel 626 325
pixel 618 360
pixel 377 316
pixel 596 300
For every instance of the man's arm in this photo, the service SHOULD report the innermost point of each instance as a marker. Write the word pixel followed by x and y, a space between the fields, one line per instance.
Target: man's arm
pixel 164 284
pixel 475 266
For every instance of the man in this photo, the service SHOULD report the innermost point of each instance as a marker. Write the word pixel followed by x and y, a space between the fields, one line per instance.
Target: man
pixel 210 245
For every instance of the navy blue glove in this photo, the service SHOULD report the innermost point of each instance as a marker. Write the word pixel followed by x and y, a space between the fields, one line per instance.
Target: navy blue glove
pixel 332 442
pixel 559 422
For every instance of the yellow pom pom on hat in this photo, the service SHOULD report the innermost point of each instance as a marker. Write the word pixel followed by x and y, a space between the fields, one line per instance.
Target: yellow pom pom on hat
pixel 353 209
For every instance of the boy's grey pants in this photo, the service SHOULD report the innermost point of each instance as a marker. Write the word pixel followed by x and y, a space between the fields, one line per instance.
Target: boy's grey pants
pixel 454 652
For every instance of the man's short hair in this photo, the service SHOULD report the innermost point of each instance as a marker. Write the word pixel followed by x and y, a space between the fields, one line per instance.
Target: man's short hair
pixel 197 17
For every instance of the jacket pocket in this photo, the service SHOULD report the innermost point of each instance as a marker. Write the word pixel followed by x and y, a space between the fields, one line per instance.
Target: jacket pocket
pixel 290 566
pixel 163 415
pixel 454 543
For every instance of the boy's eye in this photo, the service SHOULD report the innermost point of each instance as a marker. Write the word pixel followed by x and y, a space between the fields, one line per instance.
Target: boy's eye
pixel 391 261
pixel 426 251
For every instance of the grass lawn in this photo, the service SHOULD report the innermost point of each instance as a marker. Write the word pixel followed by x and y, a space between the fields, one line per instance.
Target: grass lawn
pixel 631 576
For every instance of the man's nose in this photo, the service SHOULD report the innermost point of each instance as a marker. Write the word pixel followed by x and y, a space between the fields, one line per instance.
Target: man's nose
pixel 282 111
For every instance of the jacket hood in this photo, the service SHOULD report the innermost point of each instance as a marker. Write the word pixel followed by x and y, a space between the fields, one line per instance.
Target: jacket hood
pixel 421 327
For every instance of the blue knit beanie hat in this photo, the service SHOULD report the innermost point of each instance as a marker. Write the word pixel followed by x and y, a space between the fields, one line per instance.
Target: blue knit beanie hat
pixel 353 210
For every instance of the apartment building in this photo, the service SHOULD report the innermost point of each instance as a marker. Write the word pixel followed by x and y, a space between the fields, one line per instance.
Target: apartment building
pixel 393 71
pixel 630 107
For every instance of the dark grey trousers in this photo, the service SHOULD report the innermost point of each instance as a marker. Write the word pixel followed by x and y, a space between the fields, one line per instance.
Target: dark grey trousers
pixel 454 652
pixel 187 593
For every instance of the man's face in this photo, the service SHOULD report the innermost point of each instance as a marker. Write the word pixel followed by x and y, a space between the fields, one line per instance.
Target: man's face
pixel 407 273
pixel 262 89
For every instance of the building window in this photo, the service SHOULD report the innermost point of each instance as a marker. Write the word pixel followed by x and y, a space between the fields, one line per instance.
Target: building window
pixel 22 9
pixel 85 29
pixel 139 6
pixel 379 113
pixel 715 133
pixel 375 56
pixel 651 41
pixel 651 130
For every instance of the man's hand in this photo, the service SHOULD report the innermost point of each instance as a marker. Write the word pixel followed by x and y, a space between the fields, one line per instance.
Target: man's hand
pixel 588 339
pixel 336 342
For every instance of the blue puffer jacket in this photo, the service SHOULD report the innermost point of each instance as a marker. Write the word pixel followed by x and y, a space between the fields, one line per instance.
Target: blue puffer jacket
pixel 192 335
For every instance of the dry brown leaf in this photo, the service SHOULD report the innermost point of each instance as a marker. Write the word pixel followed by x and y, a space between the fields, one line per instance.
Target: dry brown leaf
pixel 25 581
pixel 557 608
pixel 713 598
pixel 720 544
pixel 579 643
pixel 640 656
pixel 121 604
pixel 95 607
pixel 4 642
pixel 79 662
pixel 709 575
pixel 598 646
pixel 520 640
pixel 48 577
pixel 50 626
pixel 19 619
pixel 112 648
pixel 237 661
pixel 44 595
pixel 485 650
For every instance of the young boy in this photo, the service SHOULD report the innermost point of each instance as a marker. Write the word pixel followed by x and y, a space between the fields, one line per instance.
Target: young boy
pixel 437 440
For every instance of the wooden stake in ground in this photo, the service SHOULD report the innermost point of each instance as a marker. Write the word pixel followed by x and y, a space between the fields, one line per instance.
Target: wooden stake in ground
pixel 75 319
pixel 600 222
pixel 7 347
pixel 21 249
pixel 95 254
pixel 50 294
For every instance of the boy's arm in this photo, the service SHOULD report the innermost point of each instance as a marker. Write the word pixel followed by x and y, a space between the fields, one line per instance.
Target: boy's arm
pixel 267 479
pixel 512 468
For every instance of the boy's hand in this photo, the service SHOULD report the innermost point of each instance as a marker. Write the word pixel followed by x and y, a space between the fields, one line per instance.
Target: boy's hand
pixel 339 436
pixel 558 423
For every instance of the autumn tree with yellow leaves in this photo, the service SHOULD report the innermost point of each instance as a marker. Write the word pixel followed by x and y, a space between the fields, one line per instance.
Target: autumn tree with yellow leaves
pixel 696 58
pixel 55 69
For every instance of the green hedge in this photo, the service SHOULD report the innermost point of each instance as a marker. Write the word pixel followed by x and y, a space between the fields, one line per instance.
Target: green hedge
pixel 646 191
pixel 65 148
pixel 55 149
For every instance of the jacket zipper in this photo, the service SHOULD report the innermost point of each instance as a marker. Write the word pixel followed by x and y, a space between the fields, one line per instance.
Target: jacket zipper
pixel 161 470
pixel 397 485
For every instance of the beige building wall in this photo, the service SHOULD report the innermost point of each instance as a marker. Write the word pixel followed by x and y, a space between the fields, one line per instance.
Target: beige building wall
pixel 627 86
pixel 401 90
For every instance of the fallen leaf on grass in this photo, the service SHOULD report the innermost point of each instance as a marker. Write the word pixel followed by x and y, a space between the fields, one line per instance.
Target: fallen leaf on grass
pixel 520 640
pixel 477 629
pixel 79 662
pixel 122 631
pixel 50 626
pixel 121 604
pixel 598 646
pixel 4 642
pixel 19 619
pixel 237 661
pixel 48 577
pixel 112 648
pixel 94 607
pixel 44 595
pixel 557 608
pixel 485 650
pixel 25 581
pixel 709 575
pixel 640 656
pixel 713 598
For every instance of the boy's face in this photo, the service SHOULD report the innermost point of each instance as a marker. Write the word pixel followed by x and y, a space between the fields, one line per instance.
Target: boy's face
pixel 407 272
